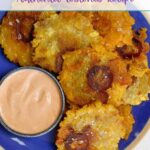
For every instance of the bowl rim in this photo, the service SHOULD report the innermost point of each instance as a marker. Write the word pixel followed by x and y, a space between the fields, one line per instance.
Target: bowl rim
pixel 54 125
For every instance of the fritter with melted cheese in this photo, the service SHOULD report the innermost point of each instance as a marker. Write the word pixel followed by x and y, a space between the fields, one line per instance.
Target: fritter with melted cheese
pixel 93 127
pixel 59 34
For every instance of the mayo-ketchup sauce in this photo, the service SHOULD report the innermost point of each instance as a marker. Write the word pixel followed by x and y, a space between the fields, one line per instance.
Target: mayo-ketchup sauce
pixel 30 101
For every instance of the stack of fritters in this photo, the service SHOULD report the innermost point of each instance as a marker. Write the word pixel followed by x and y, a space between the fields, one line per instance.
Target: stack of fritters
pixel 101 64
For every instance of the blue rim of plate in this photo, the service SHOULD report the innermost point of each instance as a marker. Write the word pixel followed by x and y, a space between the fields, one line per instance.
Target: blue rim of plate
pixel 141 113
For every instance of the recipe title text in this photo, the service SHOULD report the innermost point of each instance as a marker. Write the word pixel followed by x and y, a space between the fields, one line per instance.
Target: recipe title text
pixel 75 1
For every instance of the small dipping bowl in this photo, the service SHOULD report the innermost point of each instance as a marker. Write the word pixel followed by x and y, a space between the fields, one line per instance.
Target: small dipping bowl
pixel 15 101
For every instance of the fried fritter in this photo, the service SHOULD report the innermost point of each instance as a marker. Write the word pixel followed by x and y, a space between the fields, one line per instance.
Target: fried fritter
pixel 73 77
pixel 91 74
pixel 115 27
pixel 93 127
pixel 138 77
pixel 59 34
pixel 16 34
pixel 87 75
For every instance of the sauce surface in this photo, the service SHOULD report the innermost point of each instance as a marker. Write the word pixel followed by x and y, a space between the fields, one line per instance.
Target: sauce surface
pixel 30 101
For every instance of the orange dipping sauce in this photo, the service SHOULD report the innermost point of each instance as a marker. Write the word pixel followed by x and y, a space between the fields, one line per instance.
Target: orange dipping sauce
pixel 30 101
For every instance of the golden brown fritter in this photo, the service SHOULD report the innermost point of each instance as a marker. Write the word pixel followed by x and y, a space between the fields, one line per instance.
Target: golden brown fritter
pixel 115 27
pixel 16 34
pixel 86 75
pixel 139 79
pixel 137 66
pixel 73 77
pixel 91 74
pixel 116 30
pixel 93 127
pixel 58 34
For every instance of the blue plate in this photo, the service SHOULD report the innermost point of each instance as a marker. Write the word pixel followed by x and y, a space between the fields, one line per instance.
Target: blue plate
pixel 11 142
